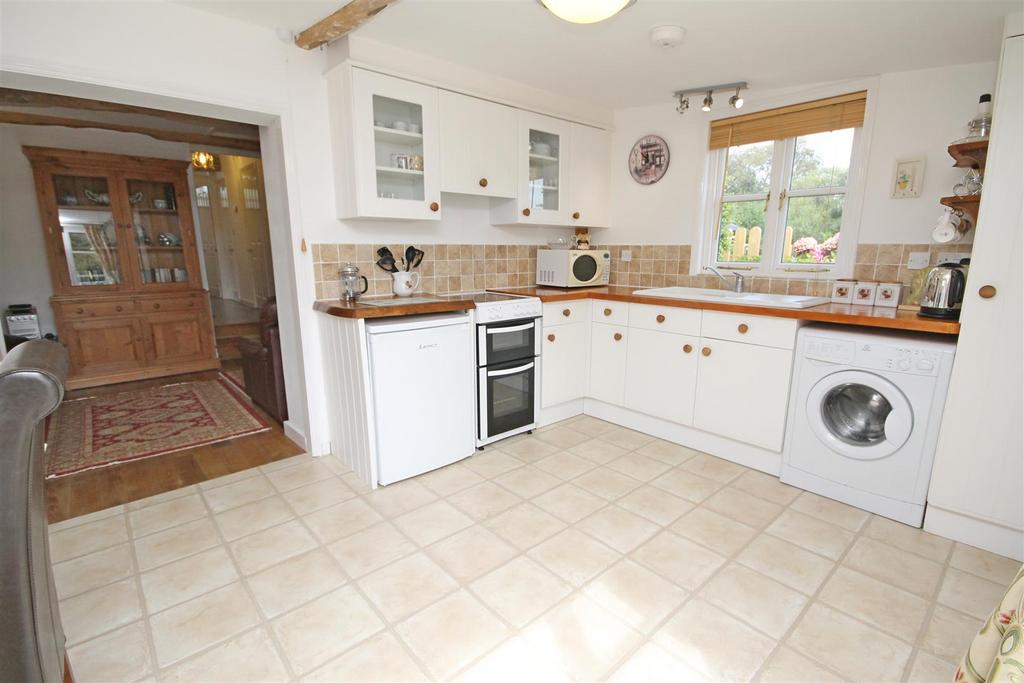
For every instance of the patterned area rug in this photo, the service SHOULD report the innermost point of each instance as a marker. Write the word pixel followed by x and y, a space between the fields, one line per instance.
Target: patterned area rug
pixel 103 430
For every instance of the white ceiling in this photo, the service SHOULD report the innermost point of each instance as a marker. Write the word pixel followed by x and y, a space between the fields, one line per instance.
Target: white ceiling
pixel 769 43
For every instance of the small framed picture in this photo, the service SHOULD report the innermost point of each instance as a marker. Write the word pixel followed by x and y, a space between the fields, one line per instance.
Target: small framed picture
pixel 908 179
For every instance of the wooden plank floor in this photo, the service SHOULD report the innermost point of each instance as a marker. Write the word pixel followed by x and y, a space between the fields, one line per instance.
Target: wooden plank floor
pixel 78 494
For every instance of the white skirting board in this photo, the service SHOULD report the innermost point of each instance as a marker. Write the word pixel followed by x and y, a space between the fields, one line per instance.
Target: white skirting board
pixel 297 436
pixel 979 533
pixel 563 411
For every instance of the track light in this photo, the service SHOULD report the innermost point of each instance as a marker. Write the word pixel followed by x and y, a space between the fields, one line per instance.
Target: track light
pixel 706 106
pixel 736 101
pixel 708 92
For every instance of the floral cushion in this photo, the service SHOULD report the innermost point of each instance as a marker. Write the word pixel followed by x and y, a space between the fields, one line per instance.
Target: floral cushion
pixel 996 654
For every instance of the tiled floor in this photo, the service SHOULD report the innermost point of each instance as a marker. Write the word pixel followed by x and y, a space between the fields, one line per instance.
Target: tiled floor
pixel 583 552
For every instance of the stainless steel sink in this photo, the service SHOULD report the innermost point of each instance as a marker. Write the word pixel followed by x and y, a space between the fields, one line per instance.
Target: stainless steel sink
pixel 742 298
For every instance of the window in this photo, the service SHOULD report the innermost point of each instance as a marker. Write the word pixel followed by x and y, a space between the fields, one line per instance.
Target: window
pixel 777 200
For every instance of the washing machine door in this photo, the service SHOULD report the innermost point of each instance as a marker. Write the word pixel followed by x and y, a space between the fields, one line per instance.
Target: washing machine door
pixel 859 415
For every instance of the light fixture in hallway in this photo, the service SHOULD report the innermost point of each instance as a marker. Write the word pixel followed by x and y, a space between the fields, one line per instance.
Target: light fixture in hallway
pixel 204 161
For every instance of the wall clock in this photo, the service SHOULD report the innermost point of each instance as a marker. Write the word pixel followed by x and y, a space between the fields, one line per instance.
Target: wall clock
pixel 648 159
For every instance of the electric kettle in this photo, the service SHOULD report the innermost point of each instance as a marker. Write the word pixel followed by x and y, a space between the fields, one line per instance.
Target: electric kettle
pixel 944 289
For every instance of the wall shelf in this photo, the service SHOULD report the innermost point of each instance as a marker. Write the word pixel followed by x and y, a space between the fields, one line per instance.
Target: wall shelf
pixel 969 155
pixel 968 206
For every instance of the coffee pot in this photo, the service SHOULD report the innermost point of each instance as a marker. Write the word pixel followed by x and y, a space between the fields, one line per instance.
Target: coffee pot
pixel 350 278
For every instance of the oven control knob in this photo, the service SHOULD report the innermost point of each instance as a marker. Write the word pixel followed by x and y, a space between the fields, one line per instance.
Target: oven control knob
pixel 925 364
pixel 903 364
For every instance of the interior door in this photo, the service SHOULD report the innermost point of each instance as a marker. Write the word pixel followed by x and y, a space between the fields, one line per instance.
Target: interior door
pixel 257 227
pixel 205 194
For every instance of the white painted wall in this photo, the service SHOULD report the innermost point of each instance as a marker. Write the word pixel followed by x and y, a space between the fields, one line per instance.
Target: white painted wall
pixel 24 276
pixel 918 113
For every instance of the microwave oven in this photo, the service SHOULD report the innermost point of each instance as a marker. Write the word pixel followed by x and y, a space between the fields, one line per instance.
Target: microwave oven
pixel 573 267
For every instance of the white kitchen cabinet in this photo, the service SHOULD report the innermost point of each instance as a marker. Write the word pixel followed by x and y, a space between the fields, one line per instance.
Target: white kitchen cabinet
pixel 743 391
pixel 386 146
pixel 564 352
pixel 608 345
pixel 542 182
pixel 478 146
pixel 590 173
pixel 661 374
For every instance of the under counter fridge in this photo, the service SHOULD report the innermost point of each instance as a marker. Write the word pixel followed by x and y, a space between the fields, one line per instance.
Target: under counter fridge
pixel 423 392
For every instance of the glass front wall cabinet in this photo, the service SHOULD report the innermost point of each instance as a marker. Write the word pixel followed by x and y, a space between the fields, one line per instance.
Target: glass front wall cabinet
pixel 88 231
pixel 158 239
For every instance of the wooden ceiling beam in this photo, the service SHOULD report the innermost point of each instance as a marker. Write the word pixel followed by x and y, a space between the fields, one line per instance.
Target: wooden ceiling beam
pixel 12 97
pixel 21 118
pixel 347 19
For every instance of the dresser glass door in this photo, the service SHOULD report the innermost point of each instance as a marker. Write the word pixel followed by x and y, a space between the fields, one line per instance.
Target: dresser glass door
pixel 157 233
pixel 88 230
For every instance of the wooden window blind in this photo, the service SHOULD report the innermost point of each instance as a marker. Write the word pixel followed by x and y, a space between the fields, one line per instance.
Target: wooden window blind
pixel 817 116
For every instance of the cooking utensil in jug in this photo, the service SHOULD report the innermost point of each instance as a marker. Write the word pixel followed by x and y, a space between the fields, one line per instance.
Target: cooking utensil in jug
pixel 387 263
pixel 410 254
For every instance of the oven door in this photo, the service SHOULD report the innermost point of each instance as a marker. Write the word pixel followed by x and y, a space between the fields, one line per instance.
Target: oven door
pixel 504 342
pixel 508 399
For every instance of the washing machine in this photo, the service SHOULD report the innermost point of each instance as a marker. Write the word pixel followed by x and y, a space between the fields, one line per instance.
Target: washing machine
pixel 864 417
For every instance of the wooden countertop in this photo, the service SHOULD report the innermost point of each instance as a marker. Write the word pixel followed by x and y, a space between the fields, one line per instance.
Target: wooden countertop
pixel 358 309
pixel 842 314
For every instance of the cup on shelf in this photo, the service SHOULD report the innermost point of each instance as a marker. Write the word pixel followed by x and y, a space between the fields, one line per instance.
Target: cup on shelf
pixel 400 160
pixel 400 125
pixel 415 128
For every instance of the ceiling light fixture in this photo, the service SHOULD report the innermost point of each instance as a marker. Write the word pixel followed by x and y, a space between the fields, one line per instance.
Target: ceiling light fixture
pixel 204 161
pixel 736 101
pixel 708 92
pixel 585 11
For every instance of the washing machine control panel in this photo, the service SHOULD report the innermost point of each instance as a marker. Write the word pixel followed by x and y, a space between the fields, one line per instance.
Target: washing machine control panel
pixel 874 355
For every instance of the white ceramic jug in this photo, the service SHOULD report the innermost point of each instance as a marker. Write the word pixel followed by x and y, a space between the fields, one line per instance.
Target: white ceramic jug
pixel 405 282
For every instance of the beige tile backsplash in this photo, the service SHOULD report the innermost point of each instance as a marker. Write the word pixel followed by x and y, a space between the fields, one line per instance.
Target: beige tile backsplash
pixel 453 268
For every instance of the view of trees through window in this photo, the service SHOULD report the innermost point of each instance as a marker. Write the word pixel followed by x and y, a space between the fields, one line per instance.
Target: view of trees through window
pixel 811 213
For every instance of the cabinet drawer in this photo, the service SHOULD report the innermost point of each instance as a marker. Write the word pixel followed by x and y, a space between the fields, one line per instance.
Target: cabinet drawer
pixel 610 312
pixel 665 319
pixel 184 303
pixel 750 329
pixel 566 312
pixel 98 309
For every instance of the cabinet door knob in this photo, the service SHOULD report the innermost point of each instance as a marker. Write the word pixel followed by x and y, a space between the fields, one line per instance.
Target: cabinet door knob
pixel 526 212
pixel 617 336
pixel 483 182
pixel 79 311
pixel 987 292
pixel 551 337
pixel 742 327
pixel 156 306
pixel 576 215
pixel 687 348
pixel 118 308
pixel 566 312
pixel 607 311
pixel 660 318
pixel 434 206
pixel 706 351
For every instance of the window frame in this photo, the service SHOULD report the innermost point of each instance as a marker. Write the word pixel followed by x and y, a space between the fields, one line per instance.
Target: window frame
pixel 714 186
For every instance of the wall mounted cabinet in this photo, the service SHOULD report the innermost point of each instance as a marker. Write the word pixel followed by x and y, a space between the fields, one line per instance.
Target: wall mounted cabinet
pixel 478 146
pixel 122 254
pixel 386 146
pixel 398 145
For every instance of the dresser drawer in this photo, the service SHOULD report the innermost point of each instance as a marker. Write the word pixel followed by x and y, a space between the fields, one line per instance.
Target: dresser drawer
pixel 564 312
pixel 751 329
pixel 162 305
pixel 665 319
pixel 610 312
pixel 98 309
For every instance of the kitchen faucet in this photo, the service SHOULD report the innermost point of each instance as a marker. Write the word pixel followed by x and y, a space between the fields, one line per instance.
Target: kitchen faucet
pixel 737 287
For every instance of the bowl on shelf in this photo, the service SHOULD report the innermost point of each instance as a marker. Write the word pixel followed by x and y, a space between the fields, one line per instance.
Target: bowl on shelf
pixel 542 149
pixel 559 243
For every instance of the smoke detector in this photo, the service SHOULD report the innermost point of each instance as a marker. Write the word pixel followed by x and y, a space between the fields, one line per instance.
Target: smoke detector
pixel 667 37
